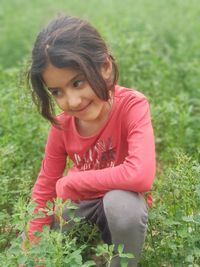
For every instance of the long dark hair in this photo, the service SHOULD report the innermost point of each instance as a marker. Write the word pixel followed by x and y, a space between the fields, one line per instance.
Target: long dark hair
pixel 69 42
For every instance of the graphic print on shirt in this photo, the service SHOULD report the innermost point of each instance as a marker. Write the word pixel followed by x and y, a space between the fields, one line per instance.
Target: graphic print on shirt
pixel 99 156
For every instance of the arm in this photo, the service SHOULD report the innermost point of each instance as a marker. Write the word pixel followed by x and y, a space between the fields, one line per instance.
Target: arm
pixel 137 171
pixel 52 169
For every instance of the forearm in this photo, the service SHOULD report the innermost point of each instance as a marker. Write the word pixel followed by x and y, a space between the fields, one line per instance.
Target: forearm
pixel 80 185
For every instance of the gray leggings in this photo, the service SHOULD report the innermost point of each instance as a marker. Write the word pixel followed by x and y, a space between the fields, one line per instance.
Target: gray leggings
pixel 121 217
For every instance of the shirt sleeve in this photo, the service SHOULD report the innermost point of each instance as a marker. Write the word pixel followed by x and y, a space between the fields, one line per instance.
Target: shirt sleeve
pixel 137 171
pixel 52 169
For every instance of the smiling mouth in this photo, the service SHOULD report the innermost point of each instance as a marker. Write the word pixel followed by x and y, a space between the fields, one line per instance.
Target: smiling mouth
pixel 82 109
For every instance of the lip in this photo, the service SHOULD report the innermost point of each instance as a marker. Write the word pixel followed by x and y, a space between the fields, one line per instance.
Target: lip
pixel 82 109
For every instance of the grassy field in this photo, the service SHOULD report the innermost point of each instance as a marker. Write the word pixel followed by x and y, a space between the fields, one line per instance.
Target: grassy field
pixel 156 44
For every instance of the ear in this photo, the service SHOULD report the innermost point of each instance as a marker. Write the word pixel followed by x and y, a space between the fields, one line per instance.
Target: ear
pixel 106 69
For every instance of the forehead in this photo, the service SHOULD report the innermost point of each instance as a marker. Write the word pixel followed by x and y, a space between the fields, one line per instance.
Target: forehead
pixel 58 77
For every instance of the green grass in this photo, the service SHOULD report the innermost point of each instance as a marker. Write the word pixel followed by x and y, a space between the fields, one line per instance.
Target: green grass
pixel 156 44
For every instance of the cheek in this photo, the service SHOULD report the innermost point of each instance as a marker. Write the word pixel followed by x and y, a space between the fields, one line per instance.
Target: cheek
pixel 99 102
pixel 60 103
pixel 97 106
pixel 96 99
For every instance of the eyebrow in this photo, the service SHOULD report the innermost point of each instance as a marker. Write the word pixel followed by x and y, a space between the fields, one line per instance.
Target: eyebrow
pixel 70 81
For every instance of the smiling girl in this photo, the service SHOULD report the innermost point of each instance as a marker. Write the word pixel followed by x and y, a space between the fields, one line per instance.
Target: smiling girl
pixel 105 129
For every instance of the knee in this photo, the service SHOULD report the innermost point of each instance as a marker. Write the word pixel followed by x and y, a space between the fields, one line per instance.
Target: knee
pixel 125 210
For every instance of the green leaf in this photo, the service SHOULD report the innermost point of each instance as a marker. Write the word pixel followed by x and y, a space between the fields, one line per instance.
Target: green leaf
pixel 49 213
pixel 123 262
pixel 89 263
pixel 21 259
pixel 120 248
pixel 111 248
pixel 50 205
pixel 189 259
pixel 128 255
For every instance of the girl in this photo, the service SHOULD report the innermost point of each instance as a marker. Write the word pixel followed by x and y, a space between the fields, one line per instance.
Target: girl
pixel 105 129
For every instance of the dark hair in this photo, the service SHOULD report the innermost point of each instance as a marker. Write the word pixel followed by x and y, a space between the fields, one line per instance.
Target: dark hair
pixel 69 42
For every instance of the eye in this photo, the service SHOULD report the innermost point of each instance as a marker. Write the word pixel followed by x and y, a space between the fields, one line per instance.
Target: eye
pixel 55 92
pixel 78 83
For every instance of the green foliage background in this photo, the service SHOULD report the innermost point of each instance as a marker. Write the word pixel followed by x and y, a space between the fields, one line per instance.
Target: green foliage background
pixel 156 44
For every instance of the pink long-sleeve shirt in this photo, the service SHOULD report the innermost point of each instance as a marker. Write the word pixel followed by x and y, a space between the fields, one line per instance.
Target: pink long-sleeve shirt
pixel 121 155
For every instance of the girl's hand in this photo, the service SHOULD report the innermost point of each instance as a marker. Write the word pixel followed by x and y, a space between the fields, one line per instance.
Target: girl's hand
pixel 65 191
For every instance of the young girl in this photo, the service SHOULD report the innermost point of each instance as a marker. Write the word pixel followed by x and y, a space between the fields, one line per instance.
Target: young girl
pixel 105 129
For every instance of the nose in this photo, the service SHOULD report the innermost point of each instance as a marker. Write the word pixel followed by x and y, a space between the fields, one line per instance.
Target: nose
pixel 73 99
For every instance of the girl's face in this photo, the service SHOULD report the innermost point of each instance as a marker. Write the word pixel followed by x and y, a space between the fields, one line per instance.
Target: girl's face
pixel 74 95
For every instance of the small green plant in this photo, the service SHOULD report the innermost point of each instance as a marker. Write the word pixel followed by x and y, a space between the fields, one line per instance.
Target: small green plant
pixel 109 253
pixel 71 245
pixel 174 223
